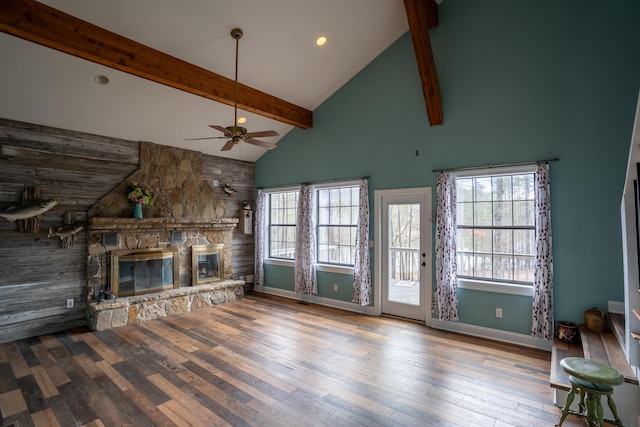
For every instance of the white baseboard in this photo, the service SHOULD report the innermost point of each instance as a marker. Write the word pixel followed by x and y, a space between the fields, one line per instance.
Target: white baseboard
pixel 314 299
pixel 462 328
pixel 616 307
pixel 492 334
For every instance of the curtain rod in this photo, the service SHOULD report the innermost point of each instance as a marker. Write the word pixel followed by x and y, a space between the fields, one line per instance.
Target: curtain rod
pixel 555 159
pixel 317 182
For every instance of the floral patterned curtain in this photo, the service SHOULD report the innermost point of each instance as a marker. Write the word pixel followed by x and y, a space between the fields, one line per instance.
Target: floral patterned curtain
pixel 258 278
pixel 305 262
pixel 542 325
pixel 445 299
pixel 362 262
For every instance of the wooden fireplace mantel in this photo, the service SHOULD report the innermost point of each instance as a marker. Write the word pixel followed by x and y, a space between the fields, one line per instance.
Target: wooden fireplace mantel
pixel 98 224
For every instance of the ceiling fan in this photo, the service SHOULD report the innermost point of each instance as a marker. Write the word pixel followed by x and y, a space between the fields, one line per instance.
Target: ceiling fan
pixel 236 133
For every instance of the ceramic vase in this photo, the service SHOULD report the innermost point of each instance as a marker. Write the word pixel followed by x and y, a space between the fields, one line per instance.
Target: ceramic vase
pixel 137 210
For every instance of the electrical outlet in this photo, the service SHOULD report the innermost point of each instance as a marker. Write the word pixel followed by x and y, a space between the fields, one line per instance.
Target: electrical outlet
pixel 498 312
pixel 70 303
pixel 335 287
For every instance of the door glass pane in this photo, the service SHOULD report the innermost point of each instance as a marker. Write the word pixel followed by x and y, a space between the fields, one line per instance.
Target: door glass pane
pixel 404 254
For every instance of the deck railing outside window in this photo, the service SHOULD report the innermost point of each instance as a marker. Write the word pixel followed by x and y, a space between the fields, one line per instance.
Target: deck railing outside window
pixel 404 264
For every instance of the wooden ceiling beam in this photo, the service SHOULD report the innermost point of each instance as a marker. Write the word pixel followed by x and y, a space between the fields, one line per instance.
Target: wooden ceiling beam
pixel 38 23
pixel 422 15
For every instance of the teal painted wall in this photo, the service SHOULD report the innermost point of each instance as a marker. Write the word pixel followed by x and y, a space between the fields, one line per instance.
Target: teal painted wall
pixel 281 277
pixel 479 308
pixel 520 81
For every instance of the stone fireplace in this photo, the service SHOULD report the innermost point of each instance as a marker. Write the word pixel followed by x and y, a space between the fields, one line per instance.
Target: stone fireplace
pixel 186 223
pixel 151 239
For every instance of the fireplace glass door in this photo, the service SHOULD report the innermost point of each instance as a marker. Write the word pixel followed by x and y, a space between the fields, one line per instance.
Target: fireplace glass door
pixel 144 271
pixel 207 263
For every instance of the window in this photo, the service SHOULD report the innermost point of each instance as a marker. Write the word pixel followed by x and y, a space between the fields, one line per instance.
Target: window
pixel 283 209
pixel 336 219
pixel 495 237
pixel 337 224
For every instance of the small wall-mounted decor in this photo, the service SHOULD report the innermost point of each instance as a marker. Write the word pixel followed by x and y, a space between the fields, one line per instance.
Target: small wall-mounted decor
pixel 246 222
pixel 29 214
pixel 228 189
pixel 68 233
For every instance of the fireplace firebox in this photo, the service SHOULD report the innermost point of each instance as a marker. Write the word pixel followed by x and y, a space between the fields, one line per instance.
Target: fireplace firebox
pixel 207 263
pixel 141 271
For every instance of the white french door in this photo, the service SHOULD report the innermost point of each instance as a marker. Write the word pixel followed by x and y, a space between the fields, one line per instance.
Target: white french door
pixel 403 251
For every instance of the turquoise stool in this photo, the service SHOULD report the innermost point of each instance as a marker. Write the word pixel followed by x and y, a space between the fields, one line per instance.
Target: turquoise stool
pixel 593 380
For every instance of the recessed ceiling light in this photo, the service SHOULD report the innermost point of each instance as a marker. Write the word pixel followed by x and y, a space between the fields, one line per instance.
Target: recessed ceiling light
pixel 241 120
pixel 321 40
pixel 101 79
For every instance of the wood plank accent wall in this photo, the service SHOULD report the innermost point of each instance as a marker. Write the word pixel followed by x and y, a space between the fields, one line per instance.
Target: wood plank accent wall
pixel 241 177
pixel 37 275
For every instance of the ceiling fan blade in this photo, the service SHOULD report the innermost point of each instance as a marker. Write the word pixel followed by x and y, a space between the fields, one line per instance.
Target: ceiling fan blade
pixel 209 137
pixel 228 146
pixel 262 144
pixel 222 129
pixel 263 133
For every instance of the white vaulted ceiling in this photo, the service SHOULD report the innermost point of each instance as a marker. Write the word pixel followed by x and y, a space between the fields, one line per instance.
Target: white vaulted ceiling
pixel 277 55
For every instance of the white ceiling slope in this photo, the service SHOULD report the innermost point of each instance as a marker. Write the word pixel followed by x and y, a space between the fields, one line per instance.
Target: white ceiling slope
pixel 277 55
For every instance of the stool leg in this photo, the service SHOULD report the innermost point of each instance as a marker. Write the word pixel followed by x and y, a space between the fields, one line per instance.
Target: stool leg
pixel 581 404
pixel 614 410
pixel 567 404
pixel 599 411
pixel 591 410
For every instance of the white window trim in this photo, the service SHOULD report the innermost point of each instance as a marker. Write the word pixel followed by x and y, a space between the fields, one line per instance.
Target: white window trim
pixel 330 268
pixel 266 242
pixel 497 287
pixel 487 285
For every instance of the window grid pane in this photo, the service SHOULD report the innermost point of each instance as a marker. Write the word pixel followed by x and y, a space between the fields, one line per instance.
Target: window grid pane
pixel 337 218
pixel 495 239
pixel 283 208
pixel 337 223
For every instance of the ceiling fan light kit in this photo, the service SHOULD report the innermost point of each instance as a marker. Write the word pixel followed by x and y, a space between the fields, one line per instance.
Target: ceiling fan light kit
pixel 235 133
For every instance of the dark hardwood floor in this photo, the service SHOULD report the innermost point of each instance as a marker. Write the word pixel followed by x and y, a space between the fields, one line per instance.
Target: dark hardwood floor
pixel 269 361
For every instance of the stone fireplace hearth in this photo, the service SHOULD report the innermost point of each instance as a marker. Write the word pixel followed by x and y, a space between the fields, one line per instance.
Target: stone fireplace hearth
pixel 130 310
